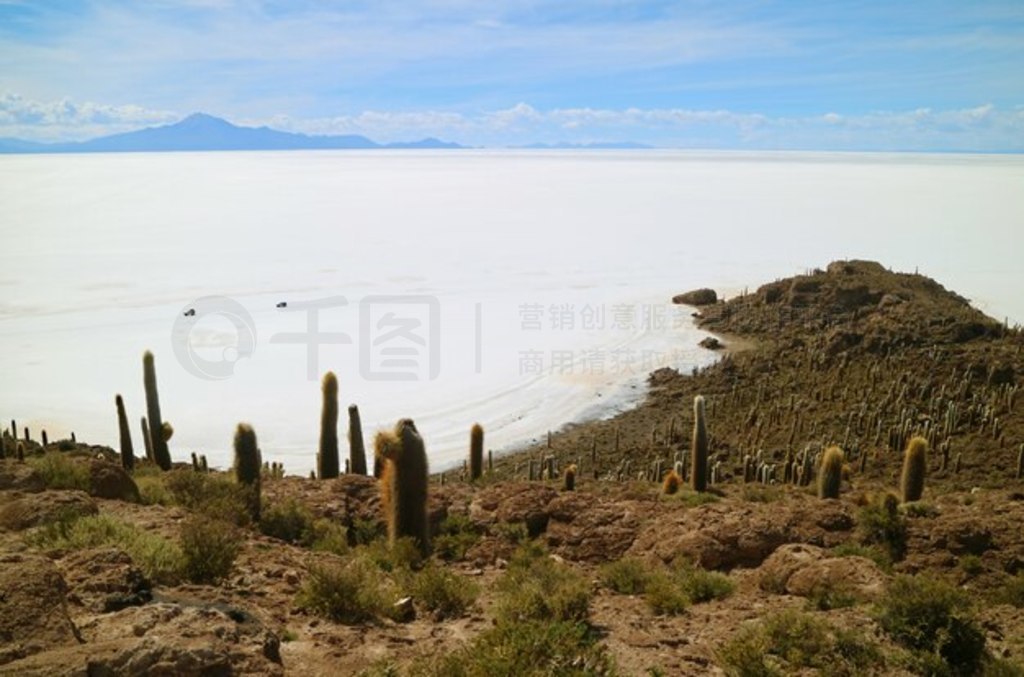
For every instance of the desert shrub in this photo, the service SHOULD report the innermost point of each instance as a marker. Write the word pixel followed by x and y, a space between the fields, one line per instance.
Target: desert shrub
pixel 60 471
pixel 327 536
pixel 831 594
pixel 537 587
pixel 288 521
pixel 664 595
pixel 210 547
pixel 366 531
pixel 457 535
pixel 531 648
pixel 159 559
pixel 692 499
pixel 759 493
pixel 627 576
pixel 871 552
pixel 208 493
pixel 701 585
pixel 446 594
pixel 920 509
pixel 152 490
pixel 351 591
pixel 1012 591
pixel 880 523
pixel 933 619
pixel 971 565
pixel 400 557
pixel 513 532
pixel 790 641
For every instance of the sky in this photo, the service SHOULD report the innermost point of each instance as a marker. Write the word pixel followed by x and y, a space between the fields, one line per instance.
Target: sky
pixel 824 74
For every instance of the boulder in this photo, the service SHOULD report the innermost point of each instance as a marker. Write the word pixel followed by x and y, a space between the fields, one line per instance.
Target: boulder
pixel 33 614
pixel 525 502
pixel 584 528
pixel 104 579
pixel 19 477
pixel 800 569
pixel 696 297
pixel 109 480
pixel 31 510
pixel 711 343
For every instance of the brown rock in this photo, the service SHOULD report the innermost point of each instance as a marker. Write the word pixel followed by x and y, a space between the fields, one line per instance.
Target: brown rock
pixel 33 615
pixel 19 477
pixel 696 297
pixel 108 480
pixel 711 343
pixel 32 510
pixel 585 529
pixel 800 569
pixel 104 579
pixel 525 502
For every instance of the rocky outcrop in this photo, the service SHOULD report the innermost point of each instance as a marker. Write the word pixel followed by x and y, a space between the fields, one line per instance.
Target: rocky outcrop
pixel 696 297
pixel 33 614
pixel 804 570
pixel 108 480
pixel 514 502
pixel 23 511
pixel 104 580
pixel 583 529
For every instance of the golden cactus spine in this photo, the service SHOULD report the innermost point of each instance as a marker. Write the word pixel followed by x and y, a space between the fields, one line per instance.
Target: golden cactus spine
pixel 404 483
pixel 699 474
pixel 915 460
pixel 327 458
pixel 247 467
pixel 476 452
pixel 830 476
pixel 357 450
pixel 161 454
pixel 570 477
pixel 127 450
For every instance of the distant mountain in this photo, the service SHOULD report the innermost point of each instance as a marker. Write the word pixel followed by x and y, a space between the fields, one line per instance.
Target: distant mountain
pixel 200 132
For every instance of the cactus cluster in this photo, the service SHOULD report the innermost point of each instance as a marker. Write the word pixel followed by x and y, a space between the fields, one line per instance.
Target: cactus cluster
pixel 403 482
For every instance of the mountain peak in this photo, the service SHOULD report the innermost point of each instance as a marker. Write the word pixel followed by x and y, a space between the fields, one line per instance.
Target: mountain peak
pixel 203 120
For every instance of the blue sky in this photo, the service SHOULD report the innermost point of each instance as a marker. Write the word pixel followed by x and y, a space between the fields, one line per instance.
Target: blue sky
pixel 831 75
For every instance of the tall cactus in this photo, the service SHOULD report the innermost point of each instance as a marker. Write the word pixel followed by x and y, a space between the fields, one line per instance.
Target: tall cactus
pixel 147 441
pixel 127 450
pixel 161 454
pixel 476 452
pixel 327 459
pixel 404 483
pixel 356 448
pixel 699 474
pixel 247 467
pixel 915 463
pixel 830 476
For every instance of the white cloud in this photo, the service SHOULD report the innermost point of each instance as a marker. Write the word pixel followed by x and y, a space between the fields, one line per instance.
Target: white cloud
pixel 63 118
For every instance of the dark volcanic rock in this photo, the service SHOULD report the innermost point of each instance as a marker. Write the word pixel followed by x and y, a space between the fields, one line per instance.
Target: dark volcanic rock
pixel 697 297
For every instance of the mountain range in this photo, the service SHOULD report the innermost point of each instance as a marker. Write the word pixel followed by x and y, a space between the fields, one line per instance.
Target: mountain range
pixel 201 132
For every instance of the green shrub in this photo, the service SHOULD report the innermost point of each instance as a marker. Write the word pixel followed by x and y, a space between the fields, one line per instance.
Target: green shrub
pixel 790 641
pixel 210 547
pixel 446 594
pixel 831 594
pixel 664 594
pixel 366 531
pixel 209 494
pixel 1012 592
pixel 759 493
pixel 327 536
pixel 401 556
pixel 537 587
pixel 528 648
pixel 513 532
pixel 288 521
pixel 880 523
pixel 971 565
pixel 159 559
pixel 351 591
pixel 701 585
pixel 457 535
pixel 920 509
pixel 871 552
pixel 934 620
pixel 60 471
pixel 152 490
pixel 627 576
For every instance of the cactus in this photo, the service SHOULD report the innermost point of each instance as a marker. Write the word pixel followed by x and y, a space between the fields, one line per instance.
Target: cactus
pixel 127 450
pixel 476 451
pixel 161 454
pixel 570 477
pixel 356 449
pixel 830 476
pixel 203 466
pixel 195 462
pixel 20 452
pixel 404 483
pixel 672 483
pixel 699 474
pixel 327 457
pixel 46 441
pixel 166 431
pixel 247 467
pixel 915 462
pixel 147 441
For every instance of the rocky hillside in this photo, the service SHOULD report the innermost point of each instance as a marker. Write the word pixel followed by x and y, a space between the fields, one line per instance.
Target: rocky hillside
pixel 106 572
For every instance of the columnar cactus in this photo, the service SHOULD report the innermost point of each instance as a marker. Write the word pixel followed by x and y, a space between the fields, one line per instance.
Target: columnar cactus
pixel 247 467
pixel 147 441
pixel 830 477
pixel 404 483
pixel 327 458
pixel 699 473
pixel 127 450
pixel 161 454
pixel 570 477
pixel 356 449
pixel 671 483
pixel 476 452
pixel 915 463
